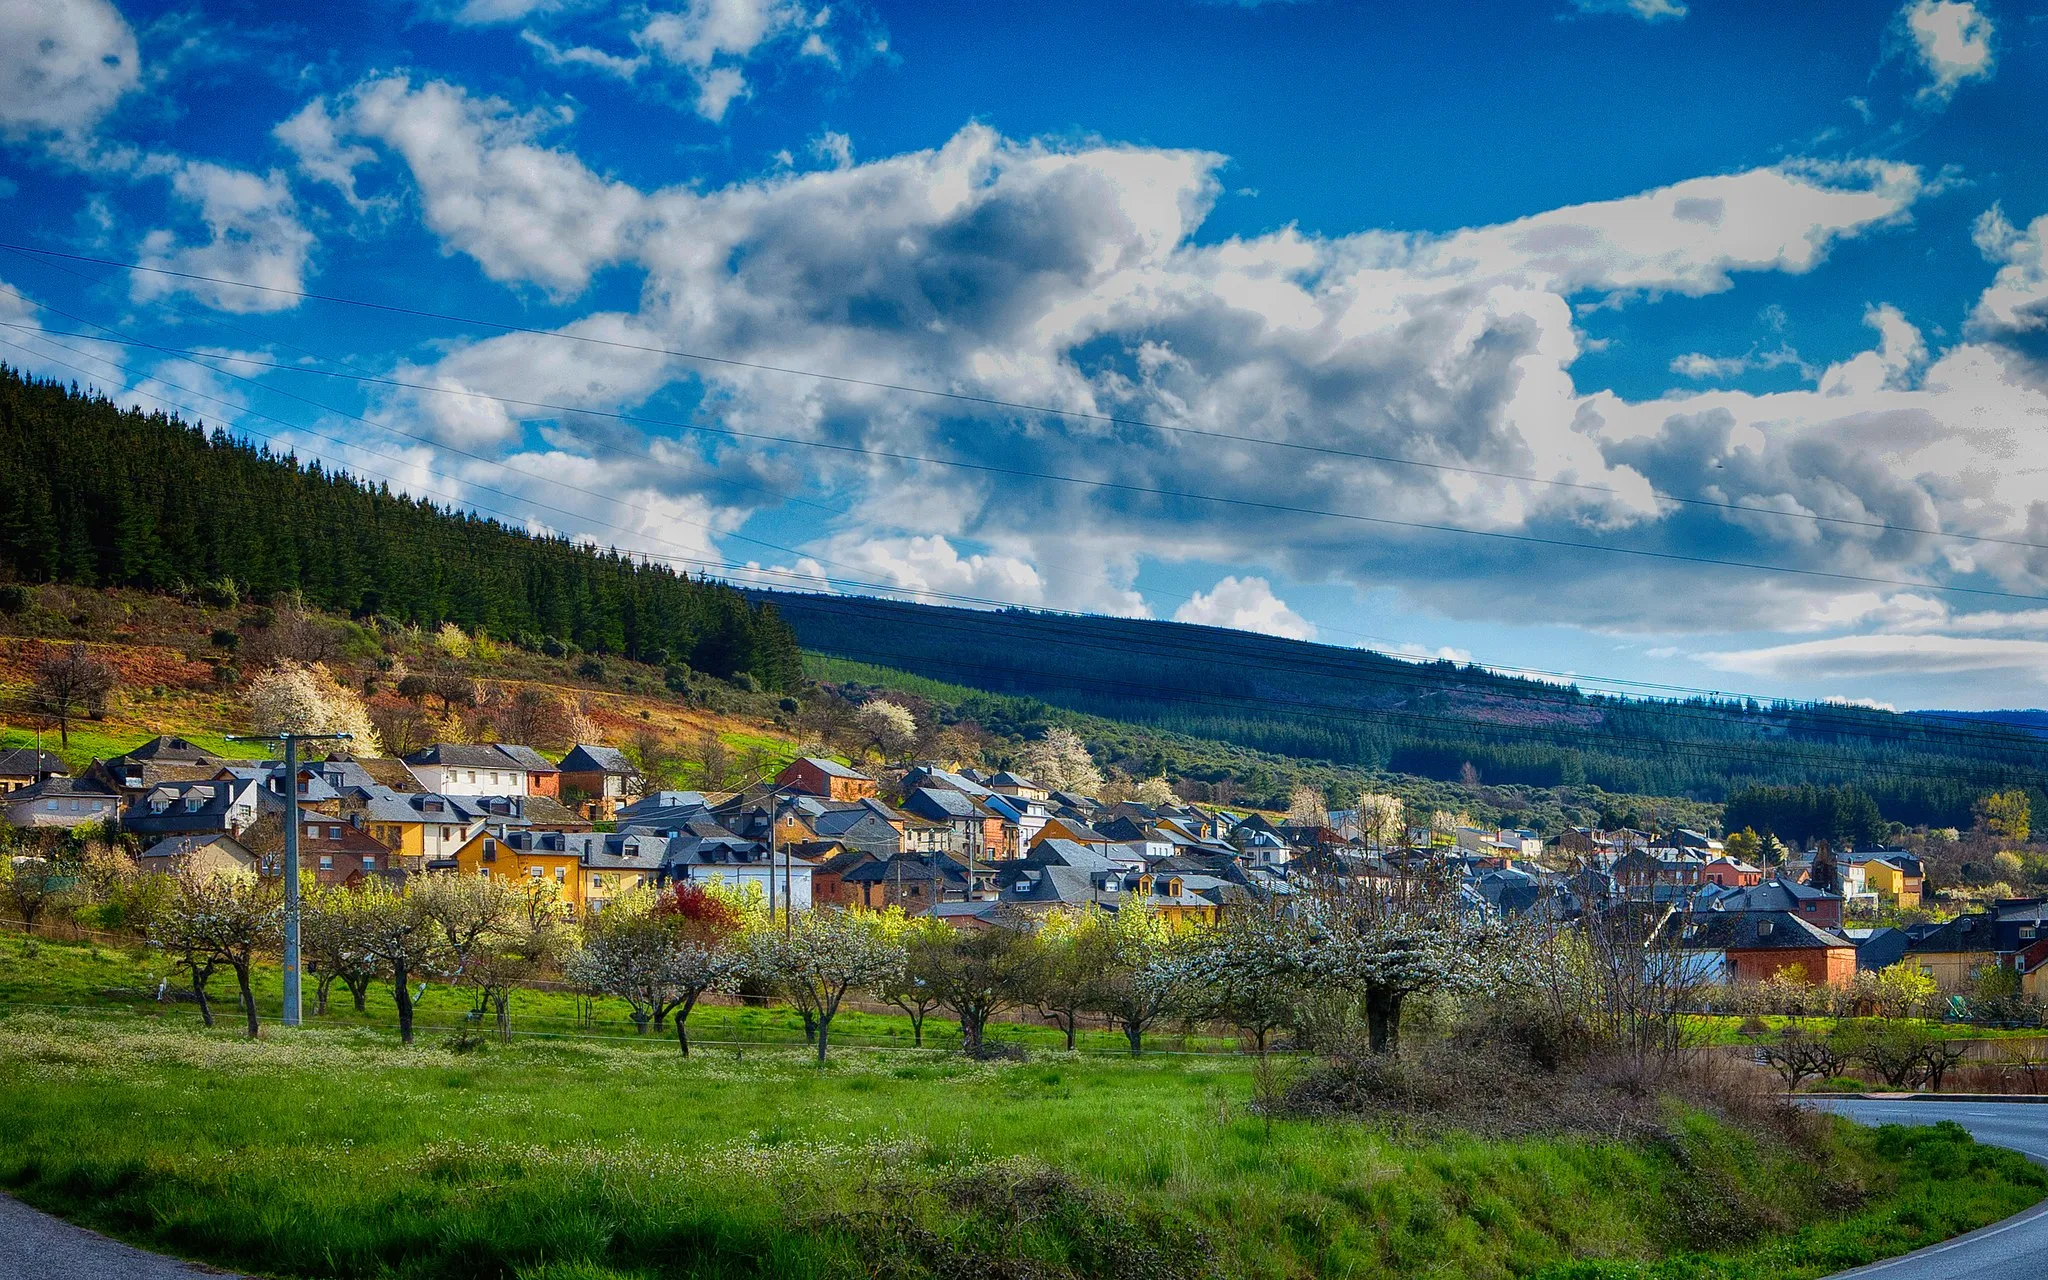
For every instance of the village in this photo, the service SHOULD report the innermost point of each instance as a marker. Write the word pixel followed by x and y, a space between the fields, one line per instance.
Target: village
pixel 978 849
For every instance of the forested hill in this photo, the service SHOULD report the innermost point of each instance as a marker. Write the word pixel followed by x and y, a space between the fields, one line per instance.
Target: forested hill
pixel 1438 719
pixel 100 496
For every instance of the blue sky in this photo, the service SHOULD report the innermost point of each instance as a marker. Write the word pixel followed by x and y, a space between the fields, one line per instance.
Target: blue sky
pixel 1480 330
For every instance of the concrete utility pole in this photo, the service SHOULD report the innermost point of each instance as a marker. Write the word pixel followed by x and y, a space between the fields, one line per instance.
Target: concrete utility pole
pixel 291 741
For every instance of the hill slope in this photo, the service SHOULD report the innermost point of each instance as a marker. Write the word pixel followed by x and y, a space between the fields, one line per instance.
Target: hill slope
pixel 1436 720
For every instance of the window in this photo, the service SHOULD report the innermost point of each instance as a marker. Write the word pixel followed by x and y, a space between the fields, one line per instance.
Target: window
pixel 334 833
pixel 326 862
pixel 369 862
pixel 313 831
pixel 53 806
pixel 483 873
pixel 472 775
pixel 533 873
pixel 561 875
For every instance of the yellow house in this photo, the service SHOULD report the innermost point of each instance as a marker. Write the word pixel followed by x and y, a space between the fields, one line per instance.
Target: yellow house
pixel 423 825
pixel 1896 880
pixel 1057 828
pixel 526 857
pixel 1169 897
pixel 1957 952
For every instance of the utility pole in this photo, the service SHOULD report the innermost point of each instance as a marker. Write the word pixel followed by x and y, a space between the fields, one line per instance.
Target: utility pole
pixel 291 741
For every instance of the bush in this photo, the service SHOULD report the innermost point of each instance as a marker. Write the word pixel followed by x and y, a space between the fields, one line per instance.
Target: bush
pixel 746 683
pixel 225 638
pixel 14 599
pixel 677 678
pixel 553 648
pixel 591 668
pixel 221 593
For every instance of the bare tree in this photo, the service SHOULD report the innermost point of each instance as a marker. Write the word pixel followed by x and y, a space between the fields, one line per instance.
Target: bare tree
pixel 535 717
pixel 68 685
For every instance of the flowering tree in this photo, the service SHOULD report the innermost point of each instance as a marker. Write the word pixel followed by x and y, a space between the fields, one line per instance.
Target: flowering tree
pixel 292 697
pixel 980 974
pixel 334 938
pixel 1060 760
pixel 663 954
pixel 828 952
pixel 914 988
pixel 211 920
pixel 1134 960
pixel 1061 992
pixel 889 728
pixel 1388 943
pixel 1248 972
pixel 1306 807
pixel 1382 820
pixel 400 931
pixel 1156 792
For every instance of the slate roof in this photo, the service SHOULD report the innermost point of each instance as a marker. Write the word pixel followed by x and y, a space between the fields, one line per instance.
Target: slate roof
pixel 184 846
pixel 1772 895
pixel 467 755
pixel 1882 949
pixel 834 769
pixel 591 758
pixel 27 762
pixel 164 749
pixel 663 803
pixel 527 758
pixel 1976 931
pixel 1753 931
pixel 53 788
pixel 940 803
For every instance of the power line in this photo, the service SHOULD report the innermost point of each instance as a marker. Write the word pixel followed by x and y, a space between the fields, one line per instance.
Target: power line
pixel 994 402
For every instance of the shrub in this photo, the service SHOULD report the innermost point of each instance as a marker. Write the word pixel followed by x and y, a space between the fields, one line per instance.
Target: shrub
pixel 746 683
pixel 677 678
pixel 14 599
pixel 553 648
pixel 591 668
pixel 225 638
pixel 221 593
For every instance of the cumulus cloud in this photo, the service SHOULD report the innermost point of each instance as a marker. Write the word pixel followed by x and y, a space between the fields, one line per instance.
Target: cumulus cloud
pixel 1245 604
pixel 2014 301
pixel 1952 39
pixel 310 134
pixel 1647 10
pixel 254 237
pixel 1071 275
pixel 63 65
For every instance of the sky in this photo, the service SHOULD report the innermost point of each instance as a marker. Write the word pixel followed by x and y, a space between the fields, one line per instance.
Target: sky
pixel 1658 344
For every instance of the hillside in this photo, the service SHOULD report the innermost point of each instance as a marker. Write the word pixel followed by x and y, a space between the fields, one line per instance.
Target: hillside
pixel 1437 720
pixel 94 495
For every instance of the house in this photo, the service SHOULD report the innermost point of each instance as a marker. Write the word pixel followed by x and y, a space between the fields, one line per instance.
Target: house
pixel 218 806
pixel 1956 952
pixel 207 855
pixel 662 808
pixel 817 776
pixel 1018 786
pixel 1754 946
pixel 1069 829
pixel 977 830
pixel 1815 906
pixel 331 852
pixel 528 857
pixel 738 864
pixel 602 776
pixel 1730 872
pixel 26 766
pixel 61 802
pixel 423 826
pixel 908 880
pixel 1896 877
pixel 484 769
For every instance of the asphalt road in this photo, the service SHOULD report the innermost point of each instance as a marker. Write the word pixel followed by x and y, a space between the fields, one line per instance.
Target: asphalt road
pixel 2016 1249
pixel 36 1246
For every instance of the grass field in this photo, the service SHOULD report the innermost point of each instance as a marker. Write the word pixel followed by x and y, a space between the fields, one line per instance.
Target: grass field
pixel 332 1151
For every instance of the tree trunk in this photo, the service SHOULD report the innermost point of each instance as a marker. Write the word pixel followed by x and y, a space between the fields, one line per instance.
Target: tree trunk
pixel 1383 1020
pixel 402 989
pixel 972 1027
pixel 503 1000
pixel 320 995
pixel 1134 1031
pixel 248 997
pixel 199 977
pixel 810 1026
pixel 640 1020
pixel 360 989
pixel 683 1024
pixel 824 1035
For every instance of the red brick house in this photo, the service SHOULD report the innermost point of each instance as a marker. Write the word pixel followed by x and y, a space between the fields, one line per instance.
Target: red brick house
pixel 817 776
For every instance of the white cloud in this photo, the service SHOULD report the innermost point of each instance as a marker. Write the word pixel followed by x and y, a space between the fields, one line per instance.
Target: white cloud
pixel 525 212
pixel 1953 41
pixel 254 237
pixel 63 65
pixel 310 134
pixel 1891 656
pixel 710 41
pixel 1071 275
pixel 2014 302
pixel 485 13
pixel 1245 604
pixel 625 68
pixel 1647 10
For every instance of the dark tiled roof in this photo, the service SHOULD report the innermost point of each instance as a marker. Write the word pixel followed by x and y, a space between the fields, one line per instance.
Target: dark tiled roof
pixel 590 758
pixel 834 769
pixel 27 762
pixel 1753 931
